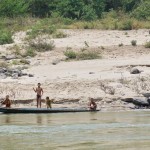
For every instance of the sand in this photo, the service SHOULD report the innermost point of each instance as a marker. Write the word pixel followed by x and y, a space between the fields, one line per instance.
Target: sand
pixel 74 82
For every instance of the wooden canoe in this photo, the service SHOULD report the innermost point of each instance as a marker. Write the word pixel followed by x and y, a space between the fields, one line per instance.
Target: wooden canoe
pixel 44 110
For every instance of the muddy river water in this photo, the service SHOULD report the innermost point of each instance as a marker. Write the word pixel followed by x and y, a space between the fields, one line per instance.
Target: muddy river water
pixel 76 131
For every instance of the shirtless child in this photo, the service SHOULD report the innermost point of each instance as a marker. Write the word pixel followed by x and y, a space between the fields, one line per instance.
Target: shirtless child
pixel 48 102
pixel 7 102
pixel 39 93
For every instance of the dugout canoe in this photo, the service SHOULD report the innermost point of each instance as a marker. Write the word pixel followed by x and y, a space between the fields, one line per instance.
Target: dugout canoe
pixel 44 110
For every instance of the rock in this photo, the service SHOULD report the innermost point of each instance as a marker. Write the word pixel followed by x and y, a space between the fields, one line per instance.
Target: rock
pixel 3 76
pixel 10 57
pixel 55 62
pixel 8 74
pixel 146 94
pixel 24 61
pixel 141 102
pixel 3 70
pixel 128 100
pixel 24 74
pixel 31 75
pixel 15 76
pixel 91 72
pixel 135 71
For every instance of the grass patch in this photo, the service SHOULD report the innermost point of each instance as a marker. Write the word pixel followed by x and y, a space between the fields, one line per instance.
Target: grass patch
pixel 29 52
pixel 70 54
pixel 87 55
pixel 5 37
pixel 147 45
pixel 59 34
pixel 41 45
pixel 83 54
pixel 3 65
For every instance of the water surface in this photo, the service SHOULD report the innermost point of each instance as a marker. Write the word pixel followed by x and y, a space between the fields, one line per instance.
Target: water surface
pixel 76 131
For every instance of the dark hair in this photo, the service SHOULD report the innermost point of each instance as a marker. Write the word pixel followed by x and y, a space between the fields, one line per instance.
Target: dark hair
pixel 47 97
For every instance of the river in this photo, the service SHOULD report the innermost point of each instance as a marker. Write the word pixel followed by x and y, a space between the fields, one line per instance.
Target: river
pixel 76 131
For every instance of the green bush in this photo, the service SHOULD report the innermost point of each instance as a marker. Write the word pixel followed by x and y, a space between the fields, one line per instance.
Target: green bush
pixel 59 34
pixel 5 37
pixel 87 55
pixel 41 45
pixel 70 54
pixel 125 24
pixel 29 52
pixel 133 42
pixel 13 8
pixel 142 11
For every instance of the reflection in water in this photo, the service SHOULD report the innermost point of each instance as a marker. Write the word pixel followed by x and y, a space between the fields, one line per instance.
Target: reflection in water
pixel 7 119
pixel 76 131
pixel 39 119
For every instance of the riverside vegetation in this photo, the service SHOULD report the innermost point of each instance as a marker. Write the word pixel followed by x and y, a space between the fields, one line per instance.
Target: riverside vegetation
pixel 46 16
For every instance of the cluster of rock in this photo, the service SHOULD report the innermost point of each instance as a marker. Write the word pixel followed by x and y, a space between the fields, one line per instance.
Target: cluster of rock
pixel 14 73
pixel 139 102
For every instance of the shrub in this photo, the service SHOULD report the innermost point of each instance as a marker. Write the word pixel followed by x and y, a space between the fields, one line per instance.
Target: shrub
pixel 15 62
pixel 86 55
pixel 70 54
pixel 60 34
pixel 3 65
pixel 134 42
pixel 5 37
pixel 142 11
pixel 147 45
pixel 29 52
pixel 40 29
pixel 41 45
pixel 125 24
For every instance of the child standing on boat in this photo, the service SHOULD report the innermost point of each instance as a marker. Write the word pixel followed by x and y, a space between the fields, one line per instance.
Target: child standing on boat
pixel 7 102
pixel 39 92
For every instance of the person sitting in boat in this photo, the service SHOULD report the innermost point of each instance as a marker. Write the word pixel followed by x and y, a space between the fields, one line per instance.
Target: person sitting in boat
pixel 7 102
pixel 92 104
pixel 48 102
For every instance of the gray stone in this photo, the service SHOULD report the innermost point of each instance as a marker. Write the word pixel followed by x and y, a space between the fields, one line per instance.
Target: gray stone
pixel 140 102
pixel 3 76
pixel 3 70
pixel 55 62
pixel 31 75
pixel 146 94
pixel 24 74
pixel 135 71
pixel 15 76
pixel 91 72
pixel 10 57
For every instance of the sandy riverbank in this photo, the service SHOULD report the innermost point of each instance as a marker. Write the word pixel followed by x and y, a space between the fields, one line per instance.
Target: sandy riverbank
pixel 73 82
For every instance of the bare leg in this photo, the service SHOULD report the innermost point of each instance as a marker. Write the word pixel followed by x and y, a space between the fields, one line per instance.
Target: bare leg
pixel 40 102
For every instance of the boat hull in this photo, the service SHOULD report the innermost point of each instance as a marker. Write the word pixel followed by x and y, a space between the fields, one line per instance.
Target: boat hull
pixel 43 110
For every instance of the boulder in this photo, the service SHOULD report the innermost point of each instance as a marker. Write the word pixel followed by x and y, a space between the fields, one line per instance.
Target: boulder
pixel 10 57
pixel 135 71
pixel 15 75
pixel 31 75
pixel 3 70
pixel 55 62
pixel 140 102
pixel 3 76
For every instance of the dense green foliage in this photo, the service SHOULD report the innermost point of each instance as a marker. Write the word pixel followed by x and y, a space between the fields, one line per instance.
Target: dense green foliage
pixel 74 9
